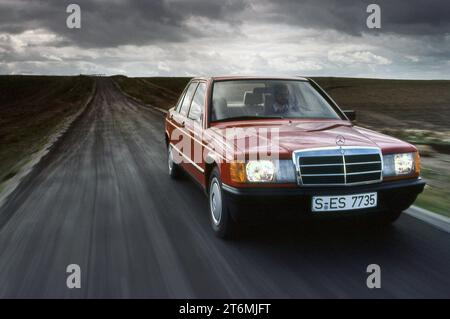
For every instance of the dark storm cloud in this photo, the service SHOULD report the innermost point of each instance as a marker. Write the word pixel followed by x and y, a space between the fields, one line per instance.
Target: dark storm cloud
pixel 186 37
pixel 411 17
pixel 115 22
pixel 109 23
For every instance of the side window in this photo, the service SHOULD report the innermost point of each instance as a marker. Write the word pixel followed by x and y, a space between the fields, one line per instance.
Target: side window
pixel 197 105
pixel 187 98
pixel 180 101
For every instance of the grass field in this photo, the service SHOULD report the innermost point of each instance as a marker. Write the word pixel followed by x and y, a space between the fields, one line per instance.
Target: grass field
pixel 31 110
pixel 413 110
pixel 436 172
pixel 400 104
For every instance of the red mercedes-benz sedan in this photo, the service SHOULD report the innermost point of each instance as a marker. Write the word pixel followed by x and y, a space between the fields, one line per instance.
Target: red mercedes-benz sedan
pixel 281 147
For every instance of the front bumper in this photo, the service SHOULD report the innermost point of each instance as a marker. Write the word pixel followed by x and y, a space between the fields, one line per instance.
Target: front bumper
pixel 280 203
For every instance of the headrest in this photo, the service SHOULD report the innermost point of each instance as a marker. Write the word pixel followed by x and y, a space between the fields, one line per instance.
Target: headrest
pixel 252 98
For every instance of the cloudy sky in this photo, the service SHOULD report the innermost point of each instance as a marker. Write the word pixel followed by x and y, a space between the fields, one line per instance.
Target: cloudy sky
pixel 208 37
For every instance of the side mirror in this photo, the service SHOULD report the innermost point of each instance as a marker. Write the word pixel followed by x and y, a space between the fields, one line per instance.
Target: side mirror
pixel 351 115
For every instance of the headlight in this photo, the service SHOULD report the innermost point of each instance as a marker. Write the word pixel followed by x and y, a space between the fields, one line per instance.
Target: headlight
pixel 263 171
pixel 401 164
pixel 260 171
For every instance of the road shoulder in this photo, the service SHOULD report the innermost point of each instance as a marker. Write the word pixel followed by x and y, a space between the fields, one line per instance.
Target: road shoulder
pixel 429 217
pixel 11 184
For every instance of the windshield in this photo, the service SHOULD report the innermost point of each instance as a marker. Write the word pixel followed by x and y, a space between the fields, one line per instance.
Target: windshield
pixel 253 99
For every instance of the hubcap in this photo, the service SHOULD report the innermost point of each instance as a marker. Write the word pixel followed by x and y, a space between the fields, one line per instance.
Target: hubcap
pixel 215 201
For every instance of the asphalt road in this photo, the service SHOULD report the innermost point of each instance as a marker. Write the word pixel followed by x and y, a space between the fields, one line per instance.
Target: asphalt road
pixel 102 199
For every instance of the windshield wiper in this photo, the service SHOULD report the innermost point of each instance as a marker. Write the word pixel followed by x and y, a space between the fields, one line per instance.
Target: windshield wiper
pixel 248 117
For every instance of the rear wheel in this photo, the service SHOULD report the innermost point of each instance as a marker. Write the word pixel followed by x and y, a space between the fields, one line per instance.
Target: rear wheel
pixel 221 220
pixel 174 169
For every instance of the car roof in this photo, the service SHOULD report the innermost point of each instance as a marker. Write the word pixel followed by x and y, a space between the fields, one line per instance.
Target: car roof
pixel 243 77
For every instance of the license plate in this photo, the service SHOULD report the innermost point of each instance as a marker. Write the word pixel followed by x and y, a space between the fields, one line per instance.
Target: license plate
pixel 344 202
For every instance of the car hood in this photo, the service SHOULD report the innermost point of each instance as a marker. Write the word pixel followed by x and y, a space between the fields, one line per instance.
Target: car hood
pixel 287 136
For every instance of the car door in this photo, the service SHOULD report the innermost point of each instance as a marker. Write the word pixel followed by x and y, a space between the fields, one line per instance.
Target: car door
pixel 194 124
pixel 180 138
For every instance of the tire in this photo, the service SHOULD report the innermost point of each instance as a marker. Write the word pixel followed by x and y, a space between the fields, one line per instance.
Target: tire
pixel 174 169
pixel 222 223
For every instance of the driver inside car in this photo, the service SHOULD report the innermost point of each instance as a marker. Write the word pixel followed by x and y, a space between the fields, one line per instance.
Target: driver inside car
pixel 280 105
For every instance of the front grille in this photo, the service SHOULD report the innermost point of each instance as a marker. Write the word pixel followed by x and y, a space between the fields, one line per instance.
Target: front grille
pixel 338 165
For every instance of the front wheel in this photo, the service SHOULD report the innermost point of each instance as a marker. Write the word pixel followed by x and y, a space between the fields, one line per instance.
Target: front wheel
pixel 174 169
pixel 221 220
